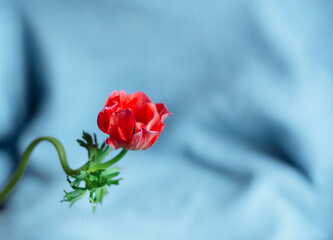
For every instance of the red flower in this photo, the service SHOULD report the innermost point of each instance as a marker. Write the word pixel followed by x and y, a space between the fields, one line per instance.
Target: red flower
pixel 132 121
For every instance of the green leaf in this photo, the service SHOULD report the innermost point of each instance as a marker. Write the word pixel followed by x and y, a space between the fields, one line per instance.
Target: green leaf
pixel 112 175
pixel 73 196
pixel 114 182
pixel 100 192
pixel 110 170
pixel 76 182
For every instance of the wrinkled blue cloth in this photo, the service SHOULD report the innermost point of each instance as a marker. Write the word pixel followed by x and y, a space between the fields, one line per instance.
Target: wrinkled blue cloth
pixel 247 153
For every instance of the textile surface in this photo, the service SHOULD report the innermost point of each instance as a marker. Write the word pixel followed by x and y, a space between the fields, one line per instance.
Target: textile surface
pixel 247 153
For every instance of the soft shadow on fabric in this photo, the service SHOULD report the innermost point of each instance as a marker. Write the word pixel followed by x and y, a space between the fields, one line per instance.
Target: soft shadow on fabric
pixel 35 89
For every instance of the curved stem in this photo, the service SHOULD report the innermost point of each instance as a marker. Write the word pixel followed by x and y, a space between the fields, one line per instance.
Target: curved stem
pixel 24 161
pixel 110 162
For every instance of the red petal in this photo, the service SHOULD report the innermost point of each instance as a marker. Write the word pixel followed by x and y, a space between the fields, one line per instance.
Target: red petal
pixel 149 116
pixel 155 123
pixel 122 134
pixel 123 120
pixel 136 101
pixel 142 140
pixel 152 141
pixel 103 117
pixel 109 142
pixel 162 111
pixel 114 97
pixel 138 126
pixel 146 113
pixel 141 98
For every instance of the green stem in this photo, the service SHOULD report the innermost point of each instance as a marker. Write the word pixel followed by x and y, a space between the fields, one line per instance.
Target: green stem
pixel 24 161
pixel 110 162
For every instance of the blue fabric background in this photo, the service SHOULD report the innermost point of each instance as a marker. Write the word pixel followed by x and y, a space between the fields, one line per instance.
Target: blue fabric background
pixel 247 153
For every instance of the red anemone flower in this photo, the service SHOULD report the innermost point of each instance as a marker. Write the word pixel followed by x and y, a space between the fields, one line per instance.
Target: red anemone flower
pixel 132 121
